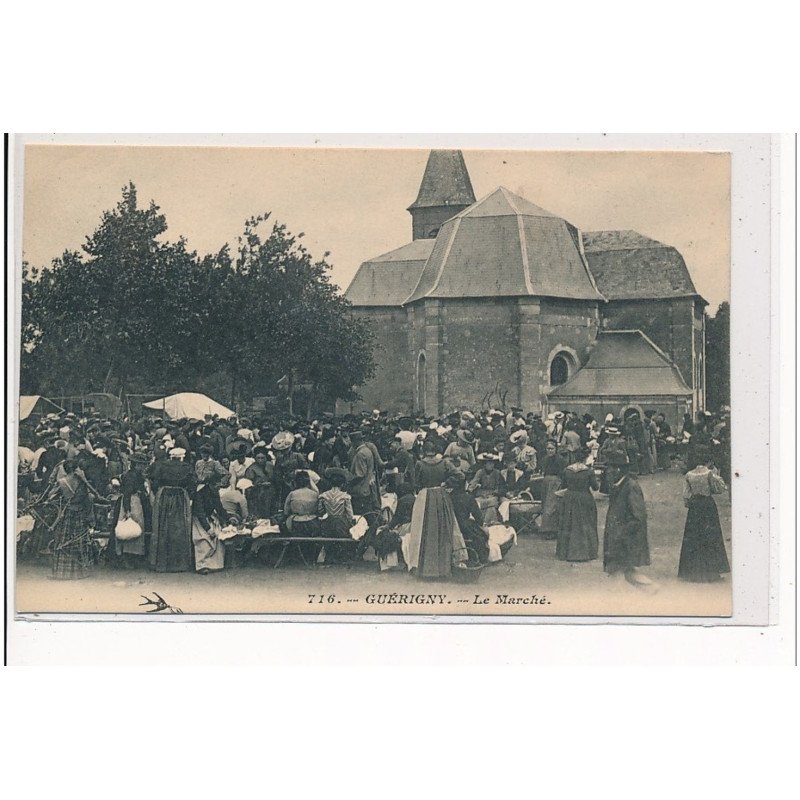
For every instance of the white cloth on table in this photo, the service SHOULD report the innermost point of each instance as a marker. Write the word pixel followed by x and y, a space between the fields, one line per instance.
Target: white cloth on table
pixel 360 528
pixel 503 508
pixel 501 534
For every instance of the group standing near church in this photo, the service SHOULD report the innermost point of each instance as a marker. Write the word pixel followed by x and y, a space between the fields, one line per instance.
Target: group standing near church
pixel 451 483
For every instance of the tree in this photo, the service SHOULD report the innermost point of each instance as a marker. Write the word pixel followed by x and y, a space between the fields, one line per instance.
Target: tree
pixel 296 323
pixel 718 358
pixel 133 312
pixel 129 311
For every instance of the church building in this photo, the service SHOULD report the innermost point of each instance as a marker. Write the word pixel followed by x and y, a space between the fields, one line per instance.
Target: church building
pixel 499 303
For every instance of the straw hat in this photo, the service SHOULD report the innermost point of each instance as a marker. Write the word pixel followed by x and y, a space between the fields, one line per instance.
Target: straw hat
pixel 465 435
pixel 282 441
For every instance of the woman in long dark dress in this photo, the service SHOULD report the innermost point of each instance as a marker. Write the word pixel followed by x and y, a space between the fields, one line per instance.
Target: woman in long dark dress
pixel 133 502
pixel 577 524
pixel 262 495
pixel 431 469
pixel 171 548
pixel 703 558
pixel 71 545
pixel 553 466
pixel 434 542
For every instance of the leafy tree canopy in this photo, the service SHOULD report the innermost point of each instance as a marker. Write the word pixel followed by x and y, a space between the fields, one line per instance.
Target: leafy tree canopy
pixel 134 312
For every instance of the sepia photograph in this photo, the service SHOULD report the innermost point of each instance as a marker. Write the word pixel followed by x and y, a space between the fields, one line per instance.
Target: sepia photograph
pixel 374 381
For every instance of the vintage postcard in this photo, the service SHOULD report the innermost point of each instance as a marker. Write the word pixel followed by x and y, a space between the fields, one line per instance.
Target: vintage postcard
pixel 374 381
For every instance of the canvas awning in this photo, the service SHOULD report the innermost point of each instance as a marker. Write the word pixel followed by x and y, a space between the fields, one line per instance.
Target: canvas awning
pixel 189 405
pixel 36 404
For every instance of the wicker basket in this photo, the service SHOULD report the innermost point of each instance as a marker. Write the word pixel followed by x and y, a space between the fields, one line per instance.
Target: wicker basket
pixel 466 573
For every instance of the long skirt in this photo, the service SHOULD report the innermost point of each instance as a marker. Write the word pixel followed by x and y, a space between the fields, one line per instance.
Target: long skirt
pixel 72 554
pixel 336 528
pixel 434 540
pixel 548 522
pixel 311 527
pixel 209 551
pixel 577 530
pixel 171 549
pixel 703 557
pixel 134 547
pixel 261 500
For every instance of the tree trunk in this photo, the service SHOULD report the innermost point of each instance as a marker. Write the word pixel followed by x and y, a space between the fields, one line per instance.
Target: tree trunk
pixel 290 389
pixel 234 377
pixel 108 376
pixel 311 397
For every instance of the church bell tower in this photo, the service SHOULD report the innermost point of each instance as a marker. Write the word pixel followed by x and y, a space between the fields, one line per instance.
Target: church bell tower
pixel 445 191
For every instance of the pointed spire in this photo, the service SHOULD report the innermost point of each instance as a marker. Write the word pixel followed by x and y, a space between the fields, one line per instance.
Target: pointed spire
pixel 445 191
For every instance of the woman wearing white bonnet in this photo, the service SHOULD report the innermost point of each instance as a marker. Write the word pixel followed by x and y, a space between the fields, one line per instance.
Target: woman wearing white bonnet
pixel 171 547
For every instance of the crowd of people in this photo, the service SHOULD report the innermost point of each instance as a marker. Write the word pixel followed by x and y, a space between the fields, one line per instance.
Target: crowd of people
pixel 435 494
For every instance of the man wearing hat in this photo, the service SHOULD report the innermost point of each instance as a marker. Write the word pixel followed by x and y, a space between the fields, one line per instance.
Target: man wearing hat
pixel 625 545
pixel 524 454
pixel 287 463
pixel 461 450
pixel 55 452
pixel 207 469
pixel 402 461
pixel 488 484
pixel 364 488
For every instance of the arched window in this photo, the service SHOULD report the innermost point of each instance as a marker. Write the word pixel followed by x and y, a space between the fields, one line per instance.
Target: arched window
pixel 559 370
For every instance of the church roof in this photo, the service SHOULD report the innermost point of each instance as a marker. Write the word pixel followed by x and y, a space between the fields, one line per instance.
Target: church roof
pixel 445 182
pixel 624 363
pixel 387 280
pixel 505 246
pixel 629 266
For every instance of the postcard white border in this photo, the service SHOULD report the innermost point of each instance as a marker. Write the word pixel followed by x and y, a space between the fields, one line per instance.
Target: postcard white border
pixel 758 238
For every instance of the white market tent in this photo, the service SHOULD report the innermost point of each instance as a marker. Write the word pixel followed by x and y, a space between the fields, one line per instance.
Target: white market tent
pixel 191 405
pixel 36 404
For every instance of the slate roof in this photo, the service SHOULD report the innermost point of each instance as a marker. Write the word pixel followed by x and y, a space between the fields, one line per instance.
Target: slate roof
pixel 624 363
pixel 445 182
pixel 629 266
pixel 505 246
pixel 387 280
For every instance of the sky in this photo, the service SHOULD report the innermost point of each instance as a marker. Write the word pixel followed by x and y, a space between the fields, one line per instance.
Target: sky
pixel 352 202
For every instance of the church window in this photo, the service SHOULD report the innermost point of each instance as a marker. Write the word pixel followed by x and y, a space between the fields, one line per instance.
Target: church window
pixel 559 370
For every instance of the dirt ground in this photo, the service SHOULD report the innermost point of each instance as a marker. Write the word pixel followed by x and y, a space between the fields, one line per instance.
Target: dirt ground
pixel 530 581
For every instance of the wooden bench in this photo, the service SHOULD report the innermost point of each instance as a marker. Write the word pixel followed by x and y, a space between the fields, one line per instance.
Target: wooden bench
pixel 288 541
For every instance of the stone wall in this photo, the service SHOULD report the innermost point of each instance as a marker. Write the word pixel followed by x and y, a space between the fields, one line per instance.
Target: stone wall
pixel 669 323
pixel 391 389
pixel 427 221
pixel 479 352
pixel 565 326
